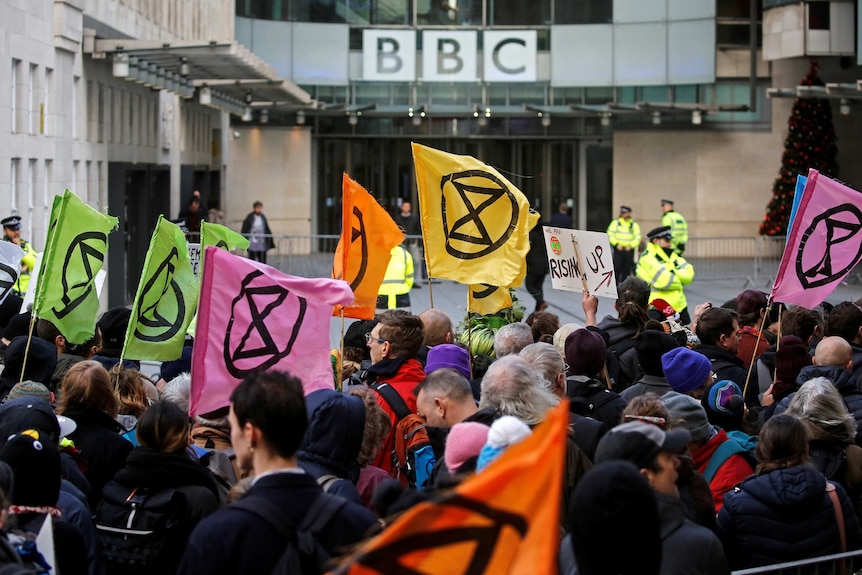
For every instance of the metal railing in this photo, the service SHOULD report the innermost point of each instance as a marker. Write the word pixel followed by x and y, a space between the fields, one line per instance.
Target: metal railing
pixel 838 564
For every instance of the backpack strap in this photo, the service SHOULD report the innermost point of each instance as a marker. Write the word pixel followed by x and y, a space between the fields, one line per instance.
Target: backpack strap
pixel 393 398
pixel 622 345
pixel 324 508
pixel 722 453
pixel 326 481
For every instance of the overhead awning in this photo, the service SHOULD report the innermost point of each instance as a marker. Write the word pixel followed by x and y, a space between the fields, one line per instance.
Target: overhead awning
pixel 233 73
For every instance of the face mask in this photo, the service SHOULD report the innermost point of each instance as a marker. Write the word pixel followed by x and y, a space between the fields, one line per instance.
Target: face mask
pixel 668 251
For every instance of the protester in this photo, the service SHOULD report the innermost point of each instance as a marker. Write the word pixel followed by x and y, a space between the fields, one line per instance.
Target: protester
pixel 503 434
pixel 792 356
pixel 394 342
pixel 650 346
pixel 512 387
pixel 724 405
pixel 40 365
pixel 68 353
pixel 631 306
pixel 88 398
pixel 612 498
pixel 537 267
pixel 666 271
pixel 624 236
pixel 562 219
pixel 845 321
pixel 448 356
pixel 723 468
pixel 687 371
pixel 463 446
pixel 12 233
pixel 751 310
pixel 686 547
pixel 377 426
pixel 543 325
pixel 787 511
pixel 586 385
pixel 332 442
pixel 113 326
pixel 256 228
pixel 438 329
pixel 444 398
pixel 131 398
pixel 804 324
pixel 511 339
pixel 831 436
pixel 161 468
pixel 718 331
pixel 268 422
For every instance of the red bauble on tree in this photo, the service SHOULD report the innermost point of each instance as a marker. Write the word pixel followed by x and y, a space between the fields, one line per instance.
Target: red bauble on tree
pixel 810 143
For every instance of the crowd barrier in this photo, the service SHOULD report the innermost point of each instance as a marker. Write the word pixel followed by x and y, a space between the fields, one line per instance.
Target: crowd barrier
pixel 753 261
pixel 838 564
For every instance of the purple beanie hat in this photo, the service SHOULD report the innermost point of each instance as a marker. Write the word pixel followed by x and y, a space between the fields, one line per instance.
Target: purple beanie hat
pixel 448 356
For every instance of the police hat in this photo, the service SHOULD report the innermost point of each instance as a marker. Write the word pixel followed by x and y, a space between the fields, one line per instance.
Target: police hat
pixel 660 232
pixel 668 202
pixel 12 222
pixel 625 210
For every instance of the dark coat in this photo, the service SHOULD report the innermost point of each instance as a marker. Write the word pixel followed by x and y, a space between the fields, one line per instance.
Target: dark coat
pixel 332 441
pixel 783 515
pixel 101 445
pixel 246 229
pixel 725 364
pixel 592 398
pixel 686 548
pixel 537 257
pixel 618 331
pixel 235 541
pixel 162 471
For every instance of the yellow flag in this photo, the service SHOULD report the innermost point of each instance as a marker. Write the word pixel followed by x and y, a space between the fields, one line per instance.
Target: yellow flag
pixel 486 299
pixel 502 520
pixel 475 223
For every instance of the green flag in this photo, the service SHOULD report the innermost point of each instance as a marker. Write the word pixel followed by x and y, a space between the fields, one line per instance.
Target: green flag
pixel 75 251
pixel 221 237
pixel 166 299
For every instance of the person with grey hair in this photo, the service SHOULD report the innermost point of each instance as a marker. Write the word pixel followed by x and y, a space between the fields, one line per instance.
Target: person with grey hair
pixel 512 387
pixel 548 361
pixel 831 435
pixel 210 437
pixel 511 339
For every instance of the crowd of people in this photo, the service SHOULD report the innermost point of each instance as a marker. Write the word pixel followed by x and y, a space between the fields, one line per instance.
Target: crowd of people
pixel 725 443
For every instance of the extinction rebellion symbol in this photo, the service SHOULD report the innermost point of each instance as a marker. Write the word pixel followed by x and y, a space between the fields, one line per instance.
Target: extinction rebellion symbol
pixel 830 246
pixel 556 246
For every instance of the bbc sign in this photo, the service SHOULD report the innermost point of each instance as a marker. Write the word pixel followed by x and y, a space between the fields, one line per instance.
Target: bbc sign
pixel 449 56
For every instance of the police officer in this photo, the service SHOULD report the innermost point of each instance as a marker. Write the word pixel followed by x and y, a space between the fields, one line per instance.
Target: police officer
pixel 665 271
pixel 624 235
pixel 677 224
pixel 12 233
pixel 394 292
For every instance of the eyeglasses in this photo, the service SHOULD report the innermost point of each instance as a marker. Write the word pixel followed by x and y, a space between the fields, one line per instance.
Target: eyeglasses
pixel 369 338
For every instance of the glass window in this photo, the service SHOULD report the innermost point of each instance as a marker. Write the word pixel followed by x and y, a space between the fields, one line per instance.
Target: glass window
pixel 497 94
pixel 736 34
pixel 583 11
pixel 654 94
pixel 628 95
pixel 527 94
pixel 818 15
pixel 685 94
pixel 319 10
pixel 599 95
pixel 371 93
pixel 519 12
pixel 736 9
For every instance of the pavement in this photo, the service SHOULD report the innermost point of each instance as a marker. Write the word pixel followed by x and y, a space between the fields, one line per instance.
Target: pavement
pixel 451 297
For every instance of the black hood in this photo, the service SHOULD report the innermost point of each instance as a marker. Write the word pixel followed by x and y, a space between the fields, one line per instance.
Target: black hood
pixel 336 424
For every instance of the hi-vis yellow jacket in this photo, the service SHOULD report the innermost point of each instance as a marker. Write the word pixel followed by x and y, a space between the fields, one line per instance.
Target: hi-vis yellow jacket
pixel 678 228
pixel 28 262
pixel 399 276
pixel 624 233
pixel 666 275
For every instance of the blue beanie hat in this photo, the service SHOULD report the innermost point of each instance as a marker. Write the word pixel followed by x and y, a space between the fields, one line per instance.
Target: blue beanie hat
pixel 685 370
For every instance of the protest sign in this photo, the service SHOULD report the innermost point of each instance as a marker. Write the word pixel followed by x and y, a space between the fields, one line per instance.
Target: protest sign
pixel 580 260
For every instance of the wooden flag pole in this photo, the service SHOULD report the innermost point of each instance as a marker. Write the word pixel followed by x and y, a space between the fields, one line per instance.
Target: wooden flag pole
pixel 469 332
pixel 580 263
pixel 756 343
pixel 27 347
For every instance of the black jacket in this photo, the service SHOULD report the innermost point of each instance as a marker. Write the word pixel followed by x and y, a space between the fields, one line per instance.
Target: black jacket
pixel 537 257
pixel 332 441
pixel 101 445
pixel 246 229
pixel 686 548
pixel 592 398
pixel 726 365
pixel 783 515
pixel 235 541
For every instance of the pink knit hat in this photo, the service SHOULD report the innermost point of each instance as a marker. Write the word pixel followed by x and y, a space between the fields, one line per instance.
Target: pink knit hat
pixel 465 441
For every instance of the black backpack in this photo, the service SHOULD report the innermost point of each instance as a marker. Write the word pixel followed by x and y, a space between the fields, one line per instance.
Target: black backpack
pixel 140 530
pixel 620 380
pixel 303 554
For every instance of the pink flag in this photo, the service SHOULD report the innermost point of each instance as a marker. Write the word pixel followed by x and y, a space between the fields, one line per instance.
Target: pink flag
pixel 824 244
pixel 252 317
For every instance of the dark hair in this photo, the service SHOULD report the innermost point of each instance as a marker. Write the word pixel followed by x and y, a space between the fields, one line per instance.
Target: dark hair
pixel 783 443
pixel 543 323
pixel 47 330
pixel 403 331
pixel 256 204
pixel 845 319
pixel 800 322
pixel 714 323
pixel 274 402
pixel 633 302
pixel 165 428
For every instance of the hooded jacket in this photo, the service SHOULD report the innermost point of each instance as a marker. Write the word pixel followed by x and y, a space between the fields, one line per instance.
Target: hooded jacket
pixel 724 364
pixel 618 331
pixel 332 441
pixel 784 515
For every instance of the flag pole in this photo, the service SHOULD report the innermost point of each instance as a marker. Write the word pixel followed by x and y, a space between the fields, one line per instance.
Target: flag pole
pixel 469 332
pixel 340 366
pixel 756 343
pixel 27 347
pixel 580 263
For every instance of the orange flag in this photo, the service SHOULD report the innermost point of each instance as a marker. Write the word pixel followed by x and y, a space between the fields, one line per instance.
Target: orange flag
pixel 502 520
pixel 368 234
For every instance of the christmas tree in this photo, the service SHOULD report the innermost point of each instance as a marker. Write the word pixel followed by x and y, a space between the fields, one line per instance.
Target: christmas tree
pixel 810 143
